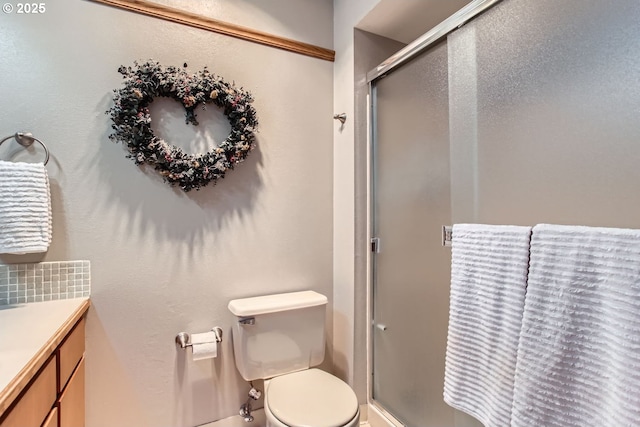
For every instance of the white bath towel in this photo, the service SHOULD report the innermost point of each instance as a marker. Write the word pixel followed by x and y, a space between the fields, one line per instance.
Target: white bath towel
pixel 25 208
pixel 488 282
pixel 579 352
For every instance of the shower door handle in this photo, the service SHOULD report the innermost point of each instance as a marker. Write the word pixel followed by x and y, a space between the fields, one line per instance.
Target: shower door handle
pixel 375 245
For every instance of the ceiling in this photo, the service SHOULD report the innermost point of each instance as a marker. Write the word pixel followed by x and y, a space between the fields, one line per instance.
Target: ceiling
pixel 406 20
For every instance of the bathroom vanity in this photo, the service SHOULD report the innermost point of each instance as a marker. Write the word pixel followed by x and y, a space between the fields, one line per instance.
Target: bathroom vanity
pixel 42 364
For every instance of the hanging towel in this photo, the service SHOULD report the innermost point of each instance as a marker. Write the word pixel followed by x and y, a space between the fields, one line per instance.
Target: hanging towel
pixel 25 208
pixel 579 352
pixel 488 283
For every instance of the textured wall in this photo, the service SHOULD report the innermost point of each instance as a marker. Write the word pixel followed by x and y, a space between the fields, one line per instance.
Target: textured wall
pixel 347 15
pixel 163 261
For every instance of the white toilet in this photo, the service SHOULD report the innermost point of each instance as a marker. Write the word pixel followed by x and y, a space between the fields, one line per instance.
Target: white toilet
pixel 279 338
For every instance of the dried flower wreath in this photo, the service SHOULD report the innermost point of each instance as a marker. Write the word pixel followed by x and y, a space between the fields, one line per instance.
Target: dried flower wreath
pixel 132 121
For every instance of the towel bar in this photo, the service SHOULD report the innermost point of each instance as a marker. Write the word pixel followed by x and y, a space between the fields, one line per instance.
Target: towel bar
pixel 447 235
pixel 26 140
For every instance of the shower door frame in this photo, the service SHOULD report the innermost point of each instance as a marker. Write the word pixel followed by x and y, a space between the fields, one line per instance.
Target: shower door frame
pixel 418 46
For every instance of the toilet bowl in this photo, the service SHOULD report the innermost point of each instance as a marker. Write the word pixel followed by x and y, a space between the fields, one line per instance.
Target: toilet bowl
pixel 280 338
pixel 310 398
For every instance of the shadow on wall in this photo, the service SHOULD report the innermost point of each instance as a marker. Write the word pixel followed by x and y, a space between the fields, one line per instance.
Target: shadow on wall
pixel 121 389
pixel 197 391
pixel 147 205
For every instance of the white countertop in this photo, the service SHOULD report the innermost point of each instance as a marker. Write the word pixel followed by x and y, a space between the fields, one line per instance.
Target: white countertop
pixel 25 332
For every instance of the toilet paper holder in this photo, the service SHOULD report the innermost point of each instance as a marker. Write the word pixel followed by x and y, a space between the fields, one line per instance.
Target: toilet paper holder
pixel 183 339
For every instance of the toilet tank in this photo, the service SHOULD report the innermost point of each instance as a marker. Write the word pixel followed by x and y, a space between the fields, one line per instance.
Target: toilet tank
pixel 278 334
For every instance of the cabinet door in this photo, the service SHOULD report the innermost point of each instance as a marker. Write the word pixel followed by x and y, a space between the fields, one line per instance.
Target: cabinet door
pixel 71 350
pixel 72 400
pixel 37 400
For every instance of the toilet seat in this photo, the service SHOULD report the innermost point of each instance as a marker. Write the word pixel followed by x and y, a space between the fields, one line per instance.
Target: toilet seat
pixel 311 398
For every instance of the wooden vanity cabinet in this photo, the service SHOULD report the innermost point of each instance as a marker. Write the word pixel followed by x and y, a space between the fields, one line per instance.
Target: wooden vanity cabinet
pixel 36 401
pixel 71 378
pixel 55 395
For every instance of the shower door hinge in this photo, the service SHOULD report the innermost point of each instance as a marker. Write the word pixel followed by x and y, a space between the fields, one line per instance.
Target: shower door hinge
pixel 375 245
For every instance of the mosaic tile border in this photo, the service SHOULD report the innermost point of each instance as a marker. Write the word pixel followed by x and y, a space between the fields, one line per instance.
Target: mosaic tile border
pixel 44 281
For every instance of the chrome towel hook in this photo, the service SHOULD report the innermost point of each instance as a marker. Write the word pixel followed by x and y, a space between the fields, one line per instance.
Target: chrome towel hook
pixel 26 140
pixel 342 117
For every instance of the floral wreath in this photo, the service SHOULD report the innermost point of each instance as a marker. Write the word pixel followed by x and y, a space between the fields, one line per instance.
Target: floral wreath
pixel 132 122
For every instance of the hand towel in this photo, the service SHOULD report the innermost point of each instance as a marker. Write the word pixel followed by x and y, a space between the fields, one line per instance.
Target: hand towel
pixel 579 352
pixel 25 208
pixel 488 282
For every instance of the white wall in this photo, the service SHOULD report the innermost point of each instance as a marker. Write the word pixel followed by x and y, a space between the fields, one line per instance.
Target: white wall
pixel 347 14
pixel 164 261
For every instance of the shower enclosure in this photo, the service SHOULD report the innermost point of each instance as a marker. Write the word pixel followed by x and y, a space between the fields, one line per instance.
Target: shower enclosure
pixel 528 113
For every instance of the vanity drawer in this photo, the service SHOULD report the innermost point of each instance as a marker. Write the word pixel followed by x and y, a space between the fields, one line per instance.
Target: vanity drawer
pixel 72 400
pixel 70 353
pixel 52 419
pixel 36 402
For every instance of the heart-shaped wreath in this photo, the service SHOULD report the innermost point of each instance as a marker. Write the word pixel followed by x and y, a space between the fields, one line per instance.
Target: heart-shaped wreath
pixel 132 121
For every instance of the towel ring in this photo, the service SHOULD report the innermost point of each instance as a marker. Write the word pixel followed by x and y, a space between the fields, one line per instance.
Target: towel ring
pixel 26 140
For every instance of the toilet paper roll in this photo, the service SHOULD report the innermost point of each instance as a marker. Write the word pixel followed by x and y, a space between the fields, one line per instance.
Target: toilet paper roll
pixel 204 345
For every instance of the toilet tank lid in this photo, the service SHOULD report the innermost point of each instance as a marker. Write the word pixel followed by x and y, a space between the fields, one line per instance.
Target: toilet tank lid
pixel 275 303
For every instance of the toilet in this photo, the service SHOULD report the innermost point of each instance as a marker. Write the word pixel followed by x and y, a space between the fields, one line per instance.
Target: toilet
pixel 279 339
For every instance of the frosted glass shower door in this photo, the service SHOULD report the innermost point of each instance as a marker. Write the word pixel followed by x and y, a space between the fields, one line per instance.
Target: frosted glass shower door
pixel 411 272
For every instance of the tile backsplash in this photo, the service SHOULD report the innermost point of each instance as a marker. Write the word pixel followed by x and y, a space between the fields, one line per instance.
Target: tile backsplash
pixel 44 281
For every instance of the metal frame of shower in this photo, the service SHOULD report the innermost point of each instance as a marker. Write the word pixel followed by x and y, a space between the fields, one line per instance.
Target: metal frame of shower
pixel 403 56
pixel 417 46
